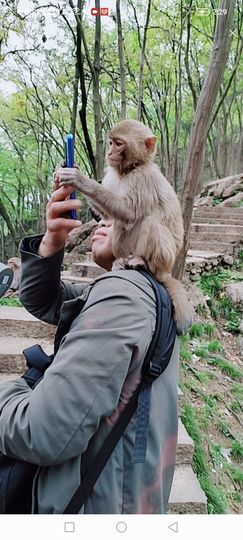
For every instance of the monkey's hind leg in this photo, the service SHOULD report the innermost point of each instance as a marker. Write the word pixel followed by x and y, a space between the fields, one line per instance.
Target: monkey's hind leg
pixel 184 313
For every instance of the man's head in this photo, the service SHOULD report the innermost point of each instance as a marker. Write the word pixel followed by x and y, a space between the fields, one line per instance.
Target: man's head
pixel 102 245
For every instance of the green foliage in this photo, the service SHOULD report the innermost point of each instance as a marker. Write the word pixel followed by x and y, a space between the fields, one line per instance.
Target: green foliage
pixel 215 346
pixel 223 427
pixel 237 450
pixel 216 201
pixel 215 495
pixel 226 367
pixel 238 262
pixel 236 474
pixel 202 351
pixel 235 406
pixel 220 305
pixel 205 376
pixel 237 390
pixel 199 329
pixel 216 455
pixel 14 302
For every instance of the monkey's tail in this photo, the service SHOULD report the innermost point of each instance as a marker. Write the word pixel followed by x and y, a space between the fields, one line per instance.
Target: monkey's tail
pixel 184 313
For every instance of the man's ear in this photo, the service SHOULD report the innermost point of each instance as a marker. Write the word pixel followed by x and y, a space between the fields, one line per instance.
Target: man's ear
pixel 150 144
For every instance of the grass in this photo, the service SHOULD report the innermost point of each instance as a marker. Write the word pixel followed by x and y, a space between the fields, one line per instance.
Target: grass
pixel 237 390
pixel 216 201
pixel 199 329
pixel 215 346
pixel 213 404
pixel 226 367
pixel 216 500
pixel 219 304
pixel 14 302
pixel 237 450
pixel 236 474
pixel 235 406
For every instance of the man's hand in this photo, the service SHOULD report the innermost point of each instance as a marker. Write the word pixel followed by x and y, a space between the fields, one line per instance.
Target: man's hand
pixel 58 226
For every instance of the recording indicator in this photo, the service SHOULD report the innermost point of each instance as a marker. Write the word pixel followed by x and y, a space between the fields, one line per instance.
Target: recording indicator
pixel 102 12
pixel 94 11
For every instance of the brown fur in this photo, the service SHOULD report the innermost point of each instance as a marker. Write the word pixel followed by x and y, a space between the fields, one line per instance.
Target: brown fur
pixel 147 216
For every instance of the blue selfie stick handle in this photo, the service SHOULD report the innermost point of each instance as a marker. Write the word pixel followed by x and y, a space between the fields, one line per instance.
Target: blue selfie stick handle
pixel 69 158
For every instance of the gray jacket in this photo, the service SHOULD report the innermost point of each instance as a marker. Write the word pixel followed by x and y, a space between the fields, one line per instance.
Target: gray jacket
pixel 94 372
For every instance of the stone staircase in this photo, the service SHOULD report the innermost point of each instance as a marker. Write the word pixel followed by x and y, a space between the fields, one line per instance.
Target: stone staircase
pixel 19 329
pixel 216 234
pixel 216 229
pixel 215 238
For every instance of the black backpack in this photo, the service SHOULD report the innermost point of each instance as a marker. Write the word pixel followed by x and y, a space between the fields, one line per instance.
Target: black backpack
pixel 16 477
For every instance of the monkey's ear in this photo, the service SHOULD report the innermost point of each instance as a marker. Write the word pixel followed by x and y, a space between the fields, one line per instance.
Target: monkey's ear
pixel 150 144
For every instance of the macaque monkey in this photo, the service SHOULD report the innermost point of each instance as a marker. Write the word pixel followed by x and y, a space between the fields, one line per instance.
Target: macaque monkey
pixel 147 217
pixel 15 264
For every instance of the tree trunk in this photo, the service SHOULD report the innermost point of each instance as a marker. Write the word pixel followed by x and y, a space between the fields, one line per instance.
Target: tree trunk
pixel 75 101
pixel 7 219
pixel 194 159
pixel 239 159
pixel 121 59
pixel 172 175
pixel 186 59
pixel 84 99
pixel 99 158
pixel 142 60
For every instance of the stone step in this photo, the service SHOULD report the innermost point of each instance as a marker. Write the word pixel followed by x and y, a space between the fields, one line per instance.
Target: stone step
pixel 12 359
pixel 68 276
pixel 17 321
pixel 211 246
pixel 220 210
pixel 212 228
pixel 216 236
pixel 180 400
pixel 87 269
pixel 216 220
pixel 185 446
pixel 186 497
pixel 202 254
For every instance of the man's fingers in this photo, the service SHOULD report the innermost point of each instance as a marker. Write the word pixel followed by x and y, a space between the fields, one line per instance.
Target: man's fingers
pixel 60 193
pixel 56 208
pixel 55 225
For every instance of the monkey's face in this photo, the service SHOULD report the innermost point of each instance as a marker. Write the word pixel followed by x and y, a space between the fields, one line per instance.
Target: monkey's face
pixel 115 152
pixel 131 144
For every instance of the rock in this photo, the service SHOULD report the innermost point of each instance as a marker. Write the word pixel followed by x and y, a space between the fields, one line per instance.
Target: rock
pixel 240 328
pixel 223 188
pixel 205 201
pixel 232 201
pixel 240 344
pixel 196 297
pixel 231 189
pixel 234 292
pixel 228 259
pixel 81 235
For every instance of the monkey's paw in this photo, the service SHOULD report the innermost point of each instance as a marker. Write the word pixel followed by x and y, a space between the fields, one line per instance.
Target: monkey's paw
pixel 71 177
pixel 184 319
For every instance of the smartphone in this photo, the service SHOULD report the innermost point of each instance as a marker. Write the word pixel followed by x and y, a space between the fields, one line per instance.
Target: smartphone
pixel 69 161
